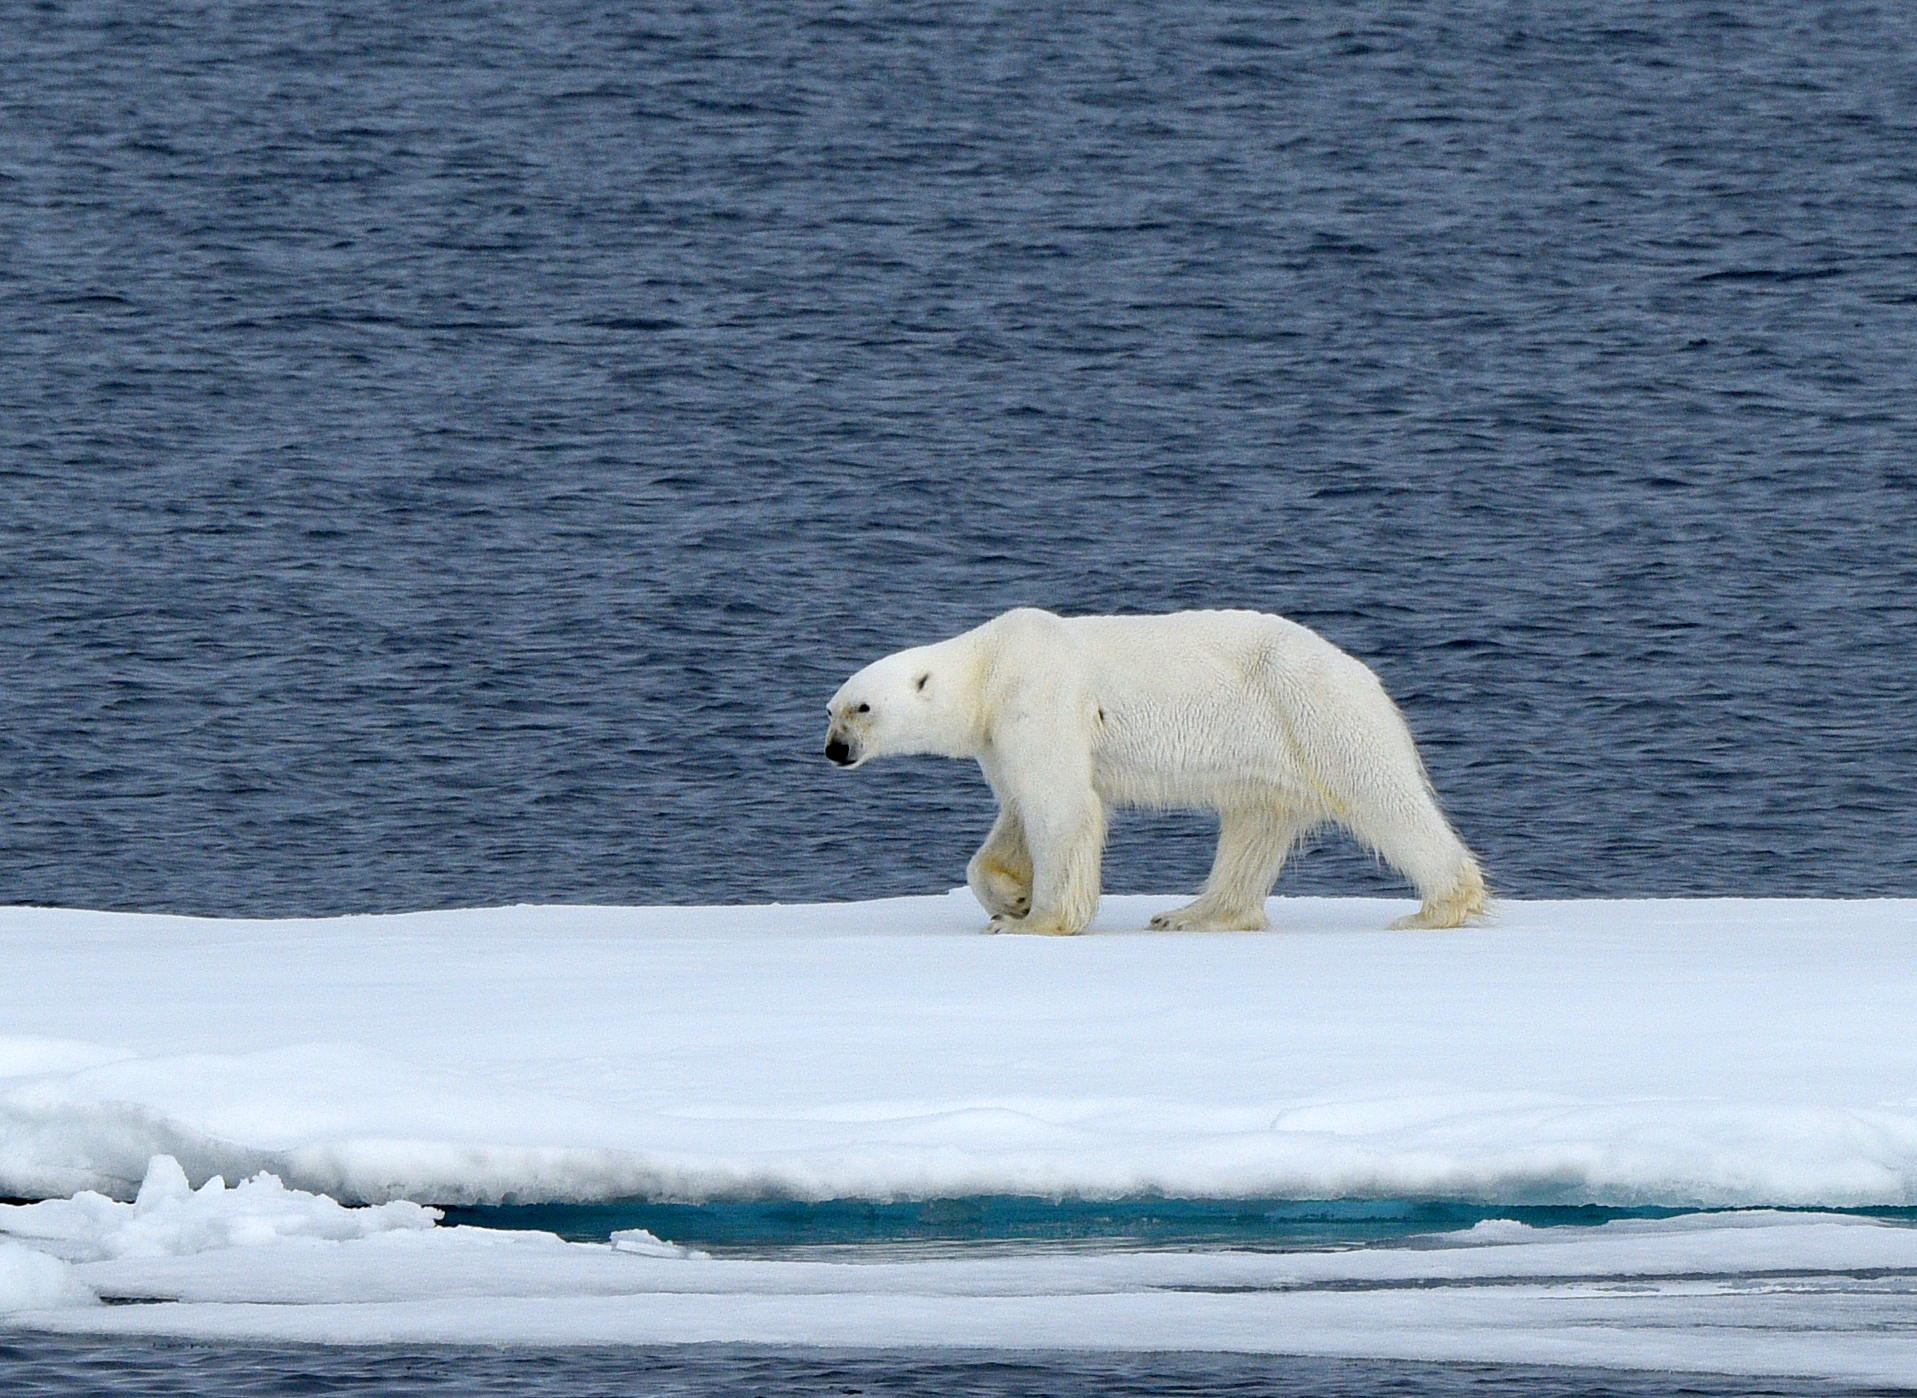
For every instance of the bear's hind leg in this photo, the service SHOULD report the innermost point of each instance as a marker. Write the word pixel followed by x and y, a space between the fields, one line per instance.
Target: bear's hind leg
pixel 1419 843
pixel 1000 874
pixel 1252 844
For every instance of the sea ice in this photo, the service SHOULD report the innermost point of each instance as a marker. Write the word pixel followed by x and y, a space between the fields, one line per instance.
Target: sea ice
pixel 1761 1292
pixel 1682 1053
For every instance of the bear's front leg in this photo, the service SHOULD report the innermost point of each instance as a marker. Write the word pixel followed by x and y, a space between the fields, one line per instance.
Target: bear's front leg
pixel 1000 874
pixel 1067 842
pixel 1039 763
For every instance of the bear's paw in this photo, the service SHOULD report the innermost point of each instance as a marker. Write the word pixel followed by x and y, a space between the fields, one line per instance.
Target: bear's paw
pixel 1196 917
pixel 1031 926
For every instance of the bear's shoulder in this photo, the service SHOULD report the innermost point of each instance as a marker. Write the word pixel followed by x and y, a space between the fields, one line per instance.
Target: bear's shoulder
pixel 1027 617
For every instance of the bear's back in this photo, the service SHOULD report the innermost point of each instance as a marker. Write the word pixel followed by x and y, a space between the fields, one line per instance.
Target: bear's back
pixel 1190 654
pixel 1187 703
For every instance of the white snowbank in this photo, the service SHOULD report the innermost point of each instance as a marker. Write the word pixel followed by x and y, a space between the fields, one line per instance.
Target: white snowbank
pixel 1710 1052
pixel 1759 1293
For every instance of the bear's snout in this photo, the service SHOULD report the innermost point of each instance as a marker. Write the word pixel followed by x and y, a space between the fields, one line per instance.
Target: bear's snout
pixel 838 752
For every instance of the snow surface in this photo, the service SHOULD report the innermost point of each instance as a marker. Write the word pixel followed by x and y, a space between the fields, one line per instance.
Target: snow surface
pixel 1667 1052
pixel 1715 1052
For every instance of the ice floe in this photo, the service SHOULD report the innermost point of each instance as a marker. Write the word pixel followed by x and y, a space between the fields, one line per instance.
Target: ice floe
pixel 1706 1052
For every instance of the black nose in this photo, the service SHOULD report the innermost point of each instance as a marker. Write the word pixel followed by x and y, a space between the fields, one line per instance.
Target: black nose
pixel 839 752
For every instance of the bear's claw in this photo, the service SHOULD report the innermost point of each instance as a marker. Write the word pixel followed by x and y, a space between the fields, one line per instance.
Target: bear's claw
pixel 1002 895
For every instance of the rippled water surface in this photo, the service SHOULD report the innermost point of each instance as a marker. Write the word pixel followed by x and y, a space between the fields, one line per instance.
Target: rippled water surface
pixel 51 1367
pixel 450 453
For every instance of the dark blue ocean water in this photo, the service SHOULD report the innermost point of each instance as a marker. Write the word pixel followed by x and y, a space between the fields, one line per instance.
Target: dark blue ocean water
pixel 450 452
pixel 54 1367
pixel 50 1367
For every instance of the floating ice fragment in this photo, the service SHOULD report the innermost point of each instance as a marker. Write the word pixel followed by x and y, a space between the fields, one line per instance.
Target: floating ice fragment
pixel 638 1240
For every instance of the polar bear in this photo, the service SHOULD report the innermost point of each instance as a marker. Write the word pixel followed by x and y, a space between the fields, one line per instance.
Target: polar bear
pixel 1249 715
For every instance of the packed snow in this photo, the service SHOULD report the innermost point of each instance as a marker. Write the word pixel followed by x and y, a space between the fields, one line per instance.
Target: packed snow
pixel 348 1074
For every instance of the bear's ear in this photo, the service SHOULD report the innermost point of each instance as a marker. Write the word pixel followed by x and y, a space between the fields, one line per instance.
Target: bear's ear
pixel 920 686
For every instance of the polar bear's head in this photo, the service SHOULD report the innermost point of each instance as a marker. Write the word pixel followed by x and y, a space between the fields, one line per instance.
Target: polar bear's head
pixel 918 701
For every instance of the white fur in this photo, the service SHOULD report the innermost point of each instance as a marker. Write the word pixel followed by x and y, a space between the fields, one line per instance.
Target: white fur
pixel 1252 716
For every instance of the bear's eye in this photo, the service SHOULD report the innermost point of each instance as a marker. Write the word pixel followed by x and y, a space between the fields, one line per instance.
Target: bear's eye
pixel 865 708
pixel 922 680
